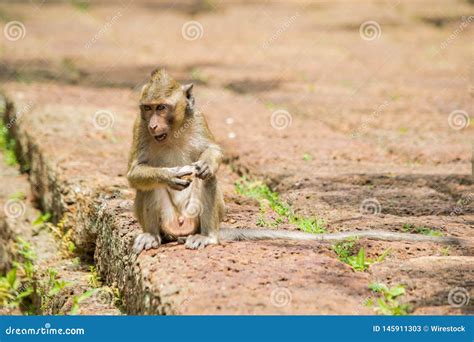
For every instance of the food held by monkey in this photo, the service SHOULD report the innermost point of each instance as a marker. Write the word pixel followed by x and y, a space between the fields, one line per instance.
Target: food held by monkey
pixel 189 172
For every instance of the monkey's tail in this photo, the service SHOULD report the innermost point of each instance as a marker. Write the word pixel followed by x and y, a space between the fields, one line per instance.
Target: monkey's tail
pixel 233 234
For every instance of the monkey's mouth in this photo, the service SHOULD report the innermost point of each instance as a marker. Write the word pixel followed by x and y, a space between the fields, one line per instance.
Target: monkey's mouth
pixel 161 137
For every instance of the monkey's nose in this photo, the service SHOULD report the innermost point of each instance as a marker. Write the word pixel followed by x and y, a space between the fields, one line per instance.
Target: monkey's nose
pixel 161 137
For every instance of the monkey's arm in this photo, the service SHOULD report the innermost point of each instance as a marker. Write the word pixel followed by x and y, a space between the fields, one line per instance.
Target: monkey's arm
pixel 209 161
pixel 144 177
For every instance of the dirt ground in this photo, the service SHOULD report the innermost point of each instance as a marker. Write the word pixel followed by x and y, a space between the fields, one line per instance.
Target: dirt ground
pixel 357 113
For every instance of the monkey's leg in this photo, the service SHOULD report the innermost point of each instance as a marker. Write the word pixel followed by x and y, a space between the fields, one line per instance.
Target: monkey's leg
pixel 148 213
pixel 209 197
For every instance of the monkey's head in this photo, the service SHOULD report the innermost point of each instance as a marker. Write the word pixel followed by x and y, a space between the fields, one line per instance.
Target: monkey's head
pixel 164 104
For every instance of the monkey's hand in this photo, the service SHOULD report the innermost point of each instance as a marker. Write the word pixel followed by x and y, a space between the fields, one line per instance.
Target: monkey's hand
pixel 203 169
pixel 175 179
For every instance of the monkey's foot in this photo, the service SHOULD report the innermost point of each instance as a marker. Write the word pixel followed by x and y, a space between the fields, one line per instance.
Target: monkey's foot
pixel 146 241
pixel 200 241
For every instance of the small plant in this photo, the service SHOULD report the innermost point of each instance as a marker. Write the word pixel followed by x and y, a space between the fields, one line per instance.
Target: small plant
pixel 64 236
pixel 269 199
pixel 54 285
pixel 50 288
pixel 263 222
pixel 7 286
pixel 19 195
pixel 310 224
pixel 12 291
pixel 387 303
pixel 7 146
pixel 307 157
pixel 117 298
pixel 445 251
pixel 22 287
pixel 344 249
pixel 359 262
pixel 77 300
pixel 16 287
pixel 71 247
pixel 411 228
pixel 28 257
pixel 94 278
pixel 42 219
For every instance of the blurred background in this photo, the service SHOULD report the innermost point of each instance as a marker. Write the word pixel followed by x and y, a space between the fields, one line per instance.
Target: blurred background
pixel 385 73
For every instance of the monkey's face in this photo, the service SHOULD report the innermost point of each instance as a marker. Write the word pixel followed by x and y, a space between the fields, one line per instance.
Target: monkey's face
pixel 160 118
pixel 164 105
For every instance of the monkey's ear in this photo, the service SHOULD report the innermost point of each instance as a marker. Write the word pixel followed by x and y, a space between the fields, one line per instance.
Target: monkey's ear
pixel 188 90
pixel 143 89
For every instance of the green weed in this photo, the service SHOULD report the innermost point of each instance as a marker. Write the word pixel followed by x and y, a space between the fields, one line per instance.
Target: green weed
pixel 63 236
pixel 23 287
pixel 42 219
pixel 77 300
pixel 94 278
pixel 269 199
pixel 19 195
pixel 411 228
pixel 7 146
pixel 445 251
pixel 344 249
pixel 51 288
pixel 359 262
pixel 387 303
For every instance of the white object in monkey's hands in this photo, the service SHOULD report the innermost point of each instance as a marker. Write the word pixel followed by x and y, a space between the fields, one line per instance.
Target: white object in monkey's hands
pixel 188 170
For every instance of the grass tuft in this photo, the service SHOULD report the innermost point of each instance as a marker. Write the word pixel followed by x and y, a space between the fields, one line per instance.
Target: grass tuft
pixel 22 287
pixel 386 303
pixel 345 251
pixel 270 200
pixel 42 219
pixel 7 146
pixel 411 228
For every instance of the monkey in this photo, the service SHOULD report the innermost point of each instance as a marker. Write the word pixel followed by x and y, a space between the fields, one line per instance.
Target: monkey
pixel 173 164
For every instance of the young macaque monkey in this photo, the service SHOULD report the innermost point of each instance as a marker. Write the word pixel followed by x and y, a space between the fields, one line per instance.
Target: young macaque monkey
pixel 173 164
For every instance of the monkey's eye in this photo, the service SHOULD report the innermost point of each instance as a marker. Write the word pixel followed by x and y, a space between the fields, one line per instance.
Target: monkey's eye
pixel 161 107
pixel 146 108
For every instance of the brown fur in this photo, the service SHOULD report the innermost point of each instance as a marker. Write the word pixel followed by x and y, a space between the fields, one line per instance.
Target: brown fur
pixel 163 193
